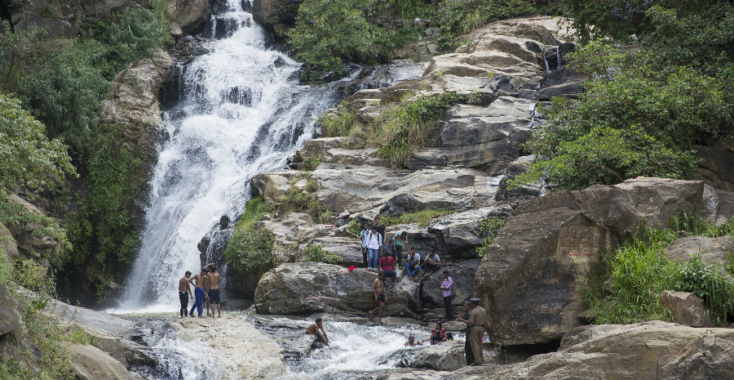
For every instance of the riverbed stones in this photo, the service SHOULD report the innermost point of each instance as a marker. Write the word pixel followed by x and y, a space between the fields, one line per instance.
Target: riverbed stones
pixel 301 288
pixel 650 350
pixel 687 309
pixel 529 277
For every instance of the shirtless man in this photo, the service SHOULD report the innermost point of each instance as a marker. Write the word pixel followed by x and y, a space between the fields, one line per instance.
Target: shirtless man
pixel 214 289
pixel 320 335
pixel 184 291
pixel 199 292
pixel 380 297
pixel 207 301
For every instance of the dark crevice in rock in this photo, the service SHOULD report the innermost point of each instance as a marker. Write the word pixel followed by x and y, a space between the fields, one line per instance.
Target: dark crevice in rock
pixel 521 352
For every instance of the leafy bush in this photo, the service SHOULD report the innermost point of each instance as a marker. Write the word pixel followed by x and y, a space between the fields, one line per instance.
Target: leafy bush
pixel 638 271
pixel 630 122
pixel 706 282
pixel 316 253
pixel 328 31
pixel 250 247
pixel 491 226
pixel 304 200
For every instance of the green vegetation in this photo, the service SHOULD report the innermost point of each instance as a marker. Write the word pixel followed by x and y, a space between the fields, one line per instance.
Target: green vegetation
pixel 490 225
pixel 316 253
pixel 38 329
pixel 638 271
pixel 420 217
pixel 28 160
pixel 304 200
pixel 63 82
pixel 646 105
pixel 329 31
pixel 397 130
pixel 251 247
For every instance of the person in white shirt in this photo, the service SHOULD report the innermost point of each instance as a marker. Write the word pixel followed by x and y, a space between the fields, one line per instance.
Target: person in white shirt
pixel 374 248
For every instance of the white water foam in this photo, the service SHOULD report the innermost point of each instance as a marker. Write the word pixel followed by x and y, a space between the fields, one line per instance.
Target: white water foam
pixel 243 112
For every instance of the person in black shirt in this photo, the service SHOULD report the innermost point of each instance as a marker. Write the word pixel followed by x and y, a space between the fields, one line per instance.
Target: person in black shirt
pixel 380 228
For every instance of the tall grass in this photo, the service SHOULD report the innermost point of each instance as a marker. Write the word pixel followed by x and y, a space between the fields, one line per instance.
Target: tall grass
pixel 627 288
pixel 422 218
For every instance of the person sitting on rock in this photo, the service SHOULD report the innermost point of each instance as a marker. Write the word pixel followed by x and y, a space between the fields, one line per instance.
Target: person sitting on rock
pixel 412 265
pixel 438 335
pixel 387 264
pixel 317 330
pixel 432 263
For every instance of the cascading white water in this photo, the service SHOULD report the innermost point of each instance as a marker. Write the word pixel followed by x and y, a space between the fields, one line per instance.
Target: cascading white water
pixel 242 112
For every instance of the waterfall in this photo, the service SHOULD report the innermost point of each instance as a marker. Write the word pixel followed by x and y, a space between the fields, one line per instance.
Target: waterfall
pixel 547 68
pixel 242 112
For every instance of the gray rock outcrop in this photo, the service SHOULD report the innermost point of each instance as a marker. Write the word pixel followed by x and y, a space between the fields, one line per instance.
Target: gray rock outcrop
pixel 462 272
pixel 651 350
pixel 90 363
pixel 460 233
pixel 712 250
pixel 302 288
pixel 529 276
pixel 447 356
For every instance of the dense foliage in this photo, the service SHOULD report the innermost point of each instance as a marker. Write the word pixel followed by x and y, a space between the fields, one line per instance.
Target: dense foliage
pixel 644 108
pixel 29 161
pixel 639 271
pixel 421 218
pixel 63 82
pixel 328 31
pixel 250 247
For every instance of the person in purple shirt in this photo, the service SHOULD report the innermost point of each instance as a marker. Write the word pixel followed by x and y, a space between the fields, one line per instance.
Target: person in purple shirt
pixel 446 286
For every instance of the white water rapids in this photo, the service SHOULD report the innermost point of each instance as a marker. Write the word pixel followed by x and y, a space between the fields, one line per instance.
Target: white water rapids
pixel 242 112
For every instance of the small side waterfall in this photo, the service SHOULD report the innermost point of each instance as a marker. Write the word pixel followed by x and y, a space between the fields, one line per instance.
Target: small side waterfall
pixel 242 112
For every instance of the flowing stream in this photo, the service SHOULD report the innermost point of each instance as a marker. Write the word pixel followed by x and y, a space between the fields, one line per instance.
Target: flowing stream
pixel 242 112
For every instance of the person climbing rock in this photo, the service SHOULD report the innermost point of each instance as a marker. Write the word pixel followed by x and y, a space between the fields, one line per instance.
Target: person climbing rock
pixel 184 291
pixel 317 330
pixel 380 297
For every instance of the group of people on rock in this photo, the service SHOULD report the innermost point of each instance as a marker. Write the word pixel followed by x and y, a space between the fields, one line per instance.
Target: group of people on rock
pixel 206 290
pixel 379 252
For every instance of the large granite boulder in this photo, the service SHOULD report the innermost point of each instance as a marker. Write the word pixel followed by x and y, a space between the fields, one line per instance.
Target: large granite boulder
pixel 365 188
pixel 529 276
pixel 302 288
pixel 447 356
pixel 480 137
pixel 687 309
pixel 652 350
pixel 515 50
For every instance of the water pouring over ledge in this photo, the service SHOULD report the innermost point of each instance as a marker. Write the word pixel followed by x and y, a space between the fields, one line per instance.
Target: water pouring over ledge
pixel 242 112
